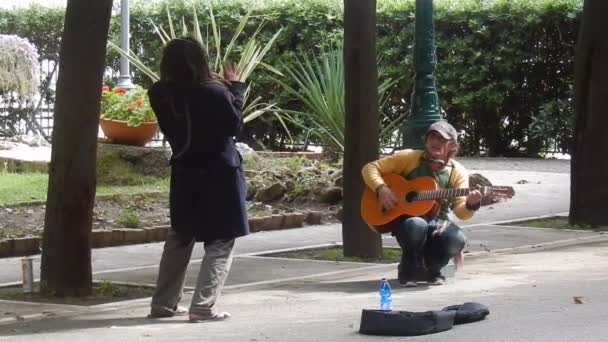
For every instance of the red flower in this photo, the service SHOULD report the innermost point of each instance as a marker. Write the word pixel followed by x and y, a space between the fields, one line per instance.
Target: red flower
pixel 105 88
pixel 119 90
pixel 139 102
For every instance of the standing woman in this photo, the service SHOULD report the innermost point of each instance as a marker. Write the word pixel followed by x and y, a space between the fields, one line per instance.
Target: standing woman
pixel 199 116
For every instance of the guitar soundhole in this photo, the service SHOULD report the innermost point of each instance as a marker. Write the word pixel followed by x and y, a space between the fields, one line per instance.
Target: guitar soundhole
pixel 411 196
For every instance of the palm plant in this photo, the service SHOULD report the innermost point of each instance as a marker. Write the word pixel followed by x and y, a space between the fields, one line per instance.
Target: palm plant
pixel 251 56
pixel 320 89
pixel 252 53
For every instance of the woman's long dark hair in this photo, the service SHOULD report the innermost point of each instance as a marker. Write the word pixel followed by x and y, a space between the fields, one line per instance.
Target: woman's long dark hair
pixel 184 62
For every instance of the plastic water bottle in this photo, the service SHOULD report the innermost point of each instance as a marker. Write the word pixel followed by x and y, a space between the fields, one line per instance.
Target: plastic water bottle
pixel 386 300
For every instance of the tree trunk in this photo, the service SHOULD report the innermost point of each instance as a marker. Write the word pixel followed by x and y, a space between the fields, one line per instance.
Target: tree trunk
pixel 589 176
pixel 66 254
pixel 361 127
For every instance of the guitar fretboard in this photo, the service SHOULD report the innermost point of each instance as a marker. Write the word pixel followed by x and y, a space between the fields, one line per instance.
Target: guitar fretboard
pixel 441 194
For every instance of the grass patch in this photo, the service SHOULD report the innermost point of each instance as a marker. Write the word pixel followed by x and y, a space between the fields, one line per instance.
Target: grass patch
pixel 389 255
pixel 19 187
pixel 558 223
pixel 103 292
pixel 24 187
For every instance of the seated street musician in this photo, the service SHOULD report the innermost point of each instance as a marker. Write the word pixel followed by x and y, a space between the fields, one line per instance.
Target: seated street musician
pixel 428 240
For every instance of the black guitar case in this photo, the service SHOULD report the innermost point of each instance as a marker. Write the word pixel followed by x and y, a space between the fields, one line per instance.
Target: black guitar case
pixel 406 323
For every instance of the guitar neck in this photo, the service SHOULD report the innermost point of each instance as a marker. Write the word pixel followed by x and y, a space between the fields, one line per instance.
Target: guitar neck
pixel 442 194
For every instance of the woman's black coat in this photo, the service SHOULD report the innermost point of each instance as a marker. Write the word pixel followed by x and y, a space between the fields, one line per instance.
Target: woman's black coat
pixel 208 189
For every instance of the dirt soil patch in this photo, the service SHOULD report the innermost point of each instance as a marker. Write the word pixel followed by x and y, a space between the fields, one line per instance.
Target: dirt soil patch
pixel 133 211
pixel 103 292
pixel 275 186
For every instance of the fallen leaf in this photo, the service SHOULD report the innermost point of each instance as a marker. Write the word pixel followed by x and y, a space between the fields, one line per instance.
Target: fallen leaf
pixel 579 300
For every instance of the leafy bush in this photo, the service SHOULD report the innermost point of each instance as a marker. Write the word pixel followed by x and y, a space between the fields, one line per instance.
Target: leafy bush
pixel 129 218
pixel 501 64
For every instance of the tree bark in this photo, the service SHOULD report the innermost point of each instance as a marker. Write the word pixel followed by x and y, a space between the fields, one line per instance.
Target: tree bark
pixel 66 254
pixel 589 173
pixel 361 127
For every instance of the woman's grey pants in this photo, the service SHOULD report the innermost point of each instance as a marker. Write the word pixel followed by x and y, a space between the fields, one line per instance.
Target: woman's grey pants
pixel 172 272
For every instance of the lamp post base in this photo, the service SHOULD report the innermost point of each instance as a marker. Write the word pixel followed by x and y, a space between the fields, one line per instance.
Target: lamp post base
pixel 125 82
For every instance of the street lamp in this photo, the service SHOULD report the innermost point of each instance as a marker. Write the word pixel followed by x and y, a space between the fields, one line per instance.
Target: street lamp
pixel 425 101
pixel 124 80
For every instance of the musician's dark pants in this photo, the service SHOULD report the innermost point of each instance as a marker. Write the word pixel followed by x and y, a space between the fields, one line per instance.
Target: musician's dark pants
pixel 423 250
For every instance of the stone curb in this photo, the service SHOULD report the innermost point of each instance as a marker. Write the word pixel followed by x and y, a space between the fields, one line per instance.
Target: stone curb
pixel 100 238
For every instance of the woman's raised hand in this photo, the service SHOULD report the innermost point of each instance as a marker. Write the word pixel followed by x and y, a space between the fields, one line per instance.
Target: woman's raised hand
pixel 231 72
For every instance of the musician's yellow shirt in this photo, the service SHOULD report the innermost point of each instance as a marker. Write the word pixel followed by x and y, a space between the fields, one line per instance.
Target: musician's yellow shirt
pixel 404 162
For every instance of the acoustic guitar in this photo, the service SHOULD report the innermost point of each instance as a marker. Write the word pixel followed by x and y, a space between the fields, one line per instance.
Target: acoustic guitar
pixel 418 197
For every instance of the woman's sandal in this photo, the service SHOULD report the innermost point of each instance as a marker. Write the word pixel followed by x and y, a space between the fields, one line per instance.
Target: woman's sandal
pixel 220 316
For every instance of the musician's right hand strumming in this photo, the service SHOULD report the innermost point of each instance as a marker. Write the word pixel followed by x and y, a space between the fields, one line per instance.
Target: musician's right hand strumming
pixel 386 197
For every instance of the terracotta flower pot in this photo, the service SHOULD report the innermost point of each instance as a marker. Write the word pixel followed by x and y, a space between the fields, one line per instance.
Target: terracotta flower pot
pixel 120 133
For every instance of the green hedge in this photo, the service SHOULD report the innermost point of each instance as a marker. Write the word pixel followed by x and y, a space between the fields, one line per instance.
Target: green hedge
pixel 505 69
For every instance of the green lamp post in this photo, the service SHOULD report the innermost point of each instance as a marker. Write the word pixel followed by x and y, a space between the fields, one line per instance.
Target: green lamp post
pixel 425 101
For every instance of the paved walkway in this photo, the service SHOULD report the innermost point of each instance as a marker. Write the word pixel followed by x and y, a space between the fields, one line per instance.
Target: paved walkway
pixel 530 296
pixel 517 164
pixel 302 300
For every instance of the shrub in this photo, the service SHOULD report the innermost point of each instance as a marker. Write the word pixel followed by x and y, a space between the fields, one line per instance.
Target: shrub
pixel 503 68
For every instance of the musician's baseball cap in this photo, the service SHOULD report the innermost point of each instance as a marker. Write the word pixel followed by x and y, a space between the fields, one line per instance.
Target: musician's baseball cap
pixel 446 130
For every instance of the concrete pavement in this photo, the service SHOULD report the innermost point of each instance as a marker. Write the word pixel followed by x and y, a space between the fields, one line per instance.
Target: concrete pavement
pixel 530 296
pixel 527 276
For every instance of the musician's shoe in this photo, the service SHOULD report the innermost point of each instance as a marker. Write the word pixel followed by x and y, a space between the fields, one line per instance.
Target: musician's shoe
pixel 407 278
pixel 407 282
pixel 220 316
pixel 435 278
pixel 412 272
